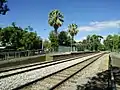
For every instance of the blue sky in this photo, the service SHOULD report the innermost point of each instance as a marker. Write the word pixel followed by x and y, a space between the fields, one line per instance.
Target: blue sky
pixel 92 16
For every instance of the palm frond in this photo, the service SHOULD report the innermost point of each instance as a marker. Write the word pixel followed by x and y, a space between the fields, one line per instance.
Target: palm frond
pixel 73 29
pixel 55 17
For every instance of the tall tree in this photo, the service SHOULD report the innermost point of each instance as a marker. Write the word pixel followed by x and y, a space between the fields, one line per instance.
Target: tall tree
pixel 96 41
pixel 115 42
pixel 62 38
pixel 53 40
pixel 88 41
pixel 47 45
pixel 3 7
pixel 92 42
pixel 55 19
pixel 17 38
pixel 108 42
pixel 73 30
pixel 84 42
pixel 68 41
pixel 112 42
pixel 80 46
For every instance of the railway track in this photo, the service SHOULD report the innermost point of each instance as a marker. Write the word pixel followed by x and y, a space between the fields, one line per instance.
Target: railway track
pixel 20 80
pixel 54 80
pixel 39 63
pixel 14 71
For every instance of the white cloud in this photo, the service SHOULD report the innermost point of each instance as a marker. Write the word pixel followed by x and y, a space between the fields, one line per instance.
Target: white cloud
pixel 77 40
pixel 82 38
pixel 93 26
pixel 104 37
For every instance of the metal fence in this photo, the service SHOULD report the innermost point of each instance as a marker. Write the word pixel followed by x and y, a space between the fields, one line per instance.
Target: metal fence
pixel 18 54
pixel 65 49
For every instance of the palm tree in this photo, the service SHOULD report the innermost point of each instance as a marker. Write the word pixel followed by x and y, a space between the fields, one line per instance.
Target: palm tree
pixel 13 24
pixel 73 30
pixel 55 19
pixel 88 42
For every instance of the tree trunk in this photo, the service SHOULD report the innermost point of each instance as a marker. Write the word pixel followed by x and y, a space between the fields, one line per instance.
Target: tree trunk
pixel 55 30
pixel 56 33
pixel 72 43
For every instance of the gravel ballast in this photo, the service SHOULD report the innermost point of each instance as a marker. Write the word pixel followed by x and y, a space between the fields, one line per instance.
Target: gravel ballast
pixel 36 65
pixel 99 66
pixel 76 82
pixel 20 79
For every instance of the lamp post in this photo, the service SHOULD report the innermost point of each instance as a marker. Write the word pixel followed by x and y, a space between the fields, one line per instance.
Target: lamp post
pixel 43 42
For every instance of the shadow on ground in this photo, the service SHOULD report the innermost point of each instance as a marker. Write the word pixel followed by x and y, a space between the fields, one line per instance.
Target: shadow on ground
pixel 100 81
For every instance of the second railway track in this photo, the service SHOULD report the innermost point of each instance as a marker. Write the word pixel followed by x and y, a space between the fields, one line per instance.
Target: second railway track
pixel 20 80
pixel 39 63
pixel 14 71
pixel 52 81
